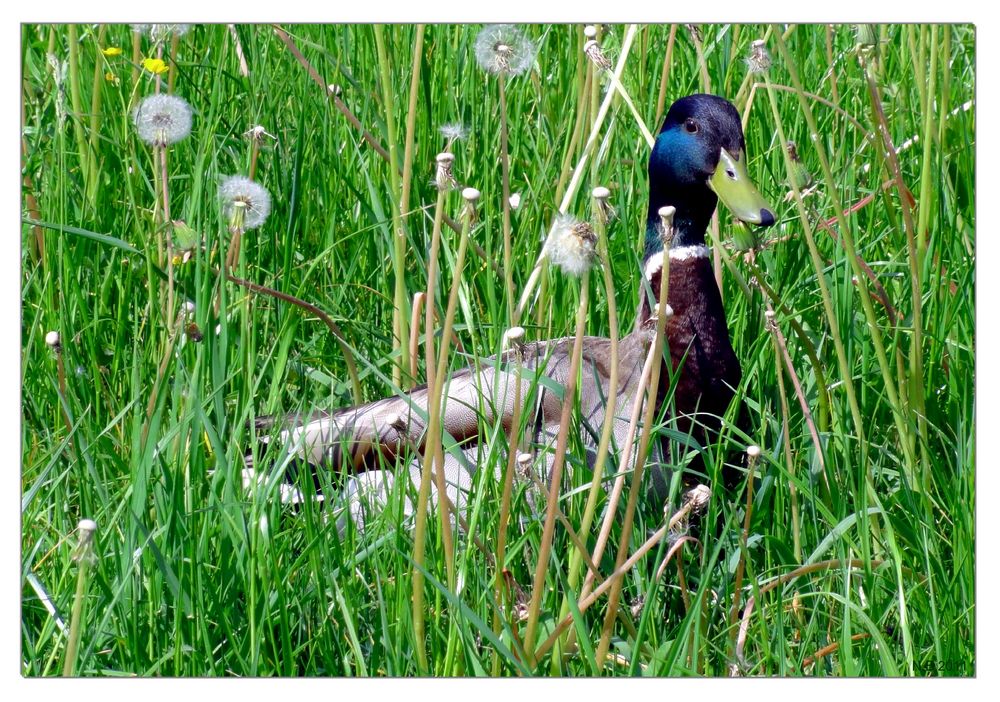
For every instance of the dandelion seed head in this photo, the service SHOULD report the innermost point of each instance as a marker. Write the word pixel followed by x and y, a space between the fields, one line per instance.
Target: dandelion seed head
pixel 601 193
pixel 162 119
pixel 470 194
pixel 160 32
pixel 572 245
pixel 503 49
pixel 87 525
pixel 759 60
pixel 52 339
pixel 753 452
pixel 454 131
pixel 514 200
pixel 590 31
pixel 240 193
pixel 258 132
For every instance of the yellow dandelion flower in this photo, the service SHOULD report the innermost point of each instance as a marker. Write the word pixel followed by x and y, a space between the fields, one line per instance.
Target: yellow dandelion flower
pixel 112 51
pixel 155 65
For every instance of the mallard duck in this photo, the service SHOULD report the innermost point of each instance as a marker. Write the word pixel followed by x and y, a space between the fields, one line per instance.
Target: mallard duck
pixel 698 158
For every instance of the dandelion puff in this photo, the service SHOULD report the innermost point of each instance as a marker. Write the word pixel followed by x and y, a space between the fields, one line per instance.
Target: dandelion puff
pixel 162 119
pixel 759 60
pixel 503 49
pixel 572 245
pixel 453 132
pixel 161 32
pixel 245 204
pixel 257 133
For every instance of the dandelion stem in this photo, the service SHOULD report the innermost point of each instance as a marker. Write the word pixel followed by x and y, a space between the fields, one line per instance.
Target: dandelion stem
pixel 786 438
pixel 638 468
pixel 513 441
pixel 612 393
pixel 418 302
pixel 505 177
pixel 555 478
pixel 433 462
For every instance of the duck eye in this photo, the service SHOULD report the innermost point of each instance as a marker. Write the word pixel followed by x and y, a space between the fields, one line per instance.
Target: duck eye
pixel 690 126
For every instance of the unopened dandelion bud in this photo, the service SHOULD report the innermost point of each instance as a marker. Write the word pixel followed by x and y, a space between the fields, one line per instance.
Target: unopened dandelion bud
pixel 444 179
pixel 597 55
pixel 799 177
pixel 52 340
pixel 667 224
pixel 759 61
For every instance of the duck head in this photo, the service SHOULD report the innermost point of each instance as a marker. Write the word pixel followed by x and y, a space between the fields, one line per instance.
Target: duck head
pixel 699 157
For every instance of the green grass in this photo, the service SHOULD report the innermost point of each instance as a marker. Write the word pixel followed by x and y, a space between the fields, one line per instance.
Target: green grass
pixel 194 577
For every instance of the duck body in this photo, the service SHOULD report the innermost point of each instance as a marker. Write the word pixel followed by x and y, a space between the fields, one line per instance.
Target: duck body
pixel 697 158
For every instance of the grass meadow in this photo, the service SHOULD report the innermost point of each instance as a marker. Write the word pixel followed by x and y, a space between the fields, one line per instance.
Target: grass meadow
pixel 848 549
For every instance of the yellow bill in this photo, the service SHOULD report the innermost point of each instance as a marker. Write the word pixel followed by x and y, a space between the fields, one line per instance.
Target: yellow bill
pixel 734 187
